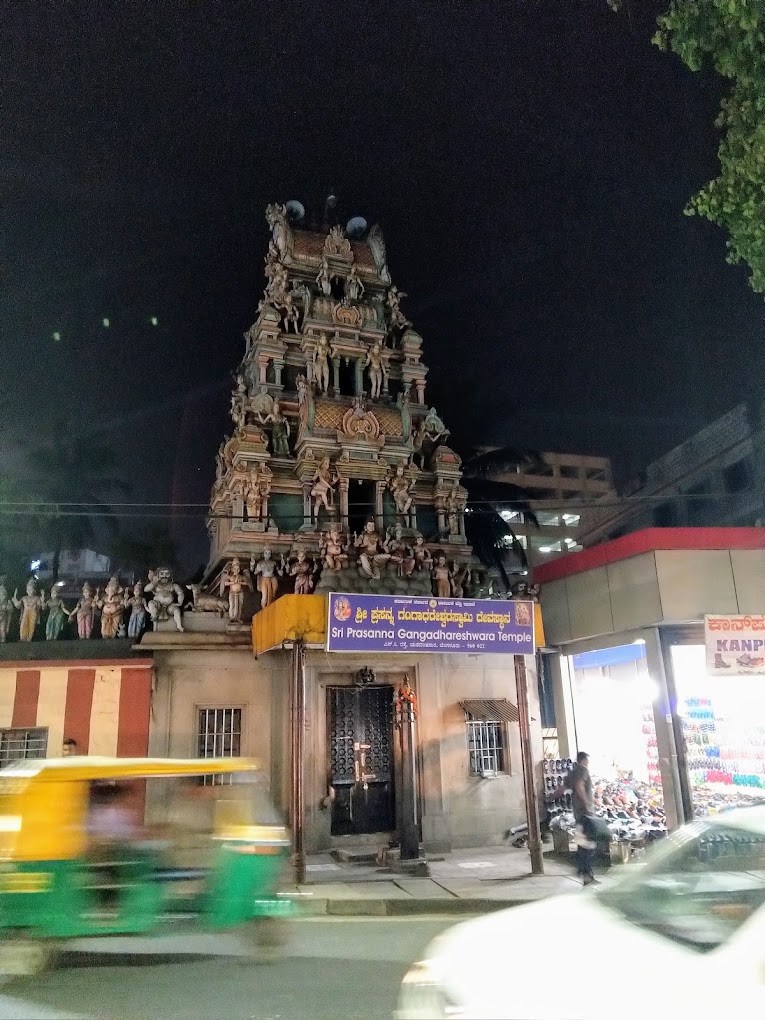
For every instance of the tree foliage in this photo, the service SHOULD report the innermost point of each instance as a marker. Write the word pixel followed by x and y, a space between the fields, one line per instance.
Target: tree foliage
pixel 69 475
pixel 489 493
pixel 729 35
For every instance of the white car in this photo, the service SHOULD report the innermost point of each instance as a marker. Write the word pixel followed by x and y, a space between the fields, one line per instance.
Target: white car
pixel 682 934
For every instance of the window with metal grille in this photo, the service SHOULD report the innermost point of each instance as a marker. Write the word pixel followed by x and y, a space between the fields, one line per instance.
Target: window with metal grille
pixel 486 745
pixel 219 735
pixel 16 744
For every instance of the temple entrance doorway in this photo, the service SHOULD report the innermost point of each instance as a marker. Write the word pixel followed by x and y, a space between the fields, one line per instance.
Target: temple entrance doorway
pixel 361 761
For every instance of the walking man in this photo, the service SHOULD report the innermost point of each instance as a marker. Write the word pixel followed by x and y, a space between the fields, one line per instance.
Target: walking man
pixel 579 783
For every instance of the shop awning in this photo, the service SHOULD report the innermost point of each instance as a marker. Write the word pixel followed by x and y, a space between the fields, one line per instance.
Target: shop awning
pixel 290 618
pixel 500 710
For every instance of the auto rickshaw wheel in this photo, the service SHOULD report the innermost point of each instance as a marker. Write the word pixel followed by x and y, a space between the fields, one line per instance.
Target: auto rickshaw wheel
pixel 265 938
pixel 26 957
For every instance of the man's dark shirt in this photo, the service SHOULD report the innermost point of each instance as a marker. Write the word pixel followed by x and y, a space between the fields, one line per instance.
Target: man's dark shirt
pixel 581 807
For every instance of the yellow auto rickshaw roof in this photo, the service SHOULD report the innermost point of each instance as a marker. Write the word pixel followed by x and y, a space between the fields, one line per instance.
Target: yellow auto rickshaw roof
pixel 86 768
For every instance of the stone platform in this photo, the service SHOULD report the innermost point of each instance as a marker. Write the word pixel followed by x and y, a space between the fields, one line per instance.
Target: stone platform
pixel 350 580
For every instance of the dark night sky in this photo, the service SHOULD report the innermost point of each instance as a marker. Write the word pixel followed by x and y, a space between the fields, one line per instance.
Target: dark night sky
pixel 528 162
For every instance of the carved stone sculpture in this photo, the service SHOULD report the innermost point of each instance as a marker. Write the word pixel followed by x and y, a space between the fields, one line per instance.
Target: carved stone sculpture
pixel 112 606
pixel 268 582
pixel 324 278
pixel 324 481
pixel 401 554
pixel 236 580
pixel 422 558
pixel 336 243
pixel 321 354
pixel 522 591
pixel 354 288
pixel 85 611
pixel 31 606
pixel 6 611
pixel 166 602
pixel 136 603
pixel 397 318
pixel 442 578
pixel 262 404
pixel 460 579
pixel 57 616
pixel 303 570
pixel 377 244
pixel 377 369
pixel 400 490
pixel 433 424
pixel 204 603
pixel 276 217
pixel 333 548
pixel 418 441
pixel 280 432
pixel 239 402
pixel 371 551
pixel 303 390
pixel 359 423
pixel 452 505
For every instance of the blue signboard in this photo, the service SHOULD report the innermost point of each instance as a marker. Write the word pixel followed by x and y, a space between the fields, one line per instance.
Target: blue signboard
pixel 403 623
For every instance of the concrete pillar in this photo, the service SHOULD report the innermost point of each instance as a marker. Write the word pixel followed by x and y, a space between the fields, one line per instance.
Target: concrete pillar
pixel 278 369
pixel 420 384
pixel 665 736
pixel 563 701
pixel 358 366
pixel 262 370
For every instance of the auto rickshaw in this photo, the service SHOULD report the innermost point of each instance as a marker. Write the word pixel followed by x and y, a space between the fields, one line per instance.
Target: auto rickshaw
pixel 53 887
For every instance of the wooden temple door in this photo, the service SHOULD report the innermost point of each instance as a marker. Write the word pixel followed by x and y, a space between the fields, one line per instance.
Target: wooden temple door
pixel 361 759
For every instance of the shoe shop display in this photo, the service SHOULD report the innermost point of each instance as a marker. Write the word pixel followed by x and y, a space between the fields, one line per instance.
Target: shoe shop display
pixel 634 811
pixel 725 753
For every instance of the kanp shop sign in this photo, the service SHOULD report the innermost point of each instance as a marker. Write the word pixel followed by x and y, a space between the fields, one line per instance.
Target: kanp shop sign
pixel 401 623
pixel 735 645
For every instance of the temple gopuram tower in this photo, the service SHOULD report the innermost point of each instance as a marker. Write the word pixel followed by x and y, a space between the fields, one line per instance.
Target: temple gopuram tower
pixel 337 476
pixel 335 456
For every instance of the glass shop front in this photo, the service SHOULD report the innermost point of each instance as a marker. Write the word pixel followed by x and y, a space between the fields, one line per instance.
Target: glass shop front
pixel 723 732
pixel 612 698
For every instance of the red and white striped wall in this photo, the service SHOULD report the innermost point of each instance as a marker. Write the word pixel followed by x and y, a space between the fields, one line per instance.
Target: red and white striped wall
pixel 104 706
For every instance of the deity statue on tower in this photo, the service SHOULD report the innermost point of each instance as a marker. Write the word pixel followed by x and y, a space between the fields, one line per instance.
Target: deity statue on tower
pixel 58 615
pixel 166 602
pixel 372 553
pixel 377 370
pixel 236 580
pixel 85 611
pixel 265 569
pixel 400 489
pixel 333 548
pixel 31 606
pixel 324 482
pixel 321 356
pixel 112 606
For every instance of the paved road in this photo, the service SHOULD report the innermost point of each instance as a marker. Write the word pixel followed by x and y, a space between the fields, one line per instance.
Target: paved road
pixel 335 969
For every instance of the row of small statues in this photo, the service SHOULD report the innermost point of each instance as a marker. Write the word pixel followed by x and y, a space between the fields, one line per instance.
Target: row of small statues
pixel 112 604
pixel 167 598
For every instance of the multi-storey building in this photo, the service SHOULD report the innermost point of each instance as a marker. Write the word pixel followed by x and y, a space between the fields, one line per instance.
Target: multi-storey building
pixel 712 479
pixel 558 488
